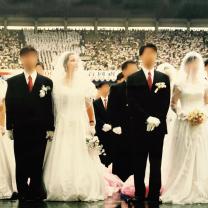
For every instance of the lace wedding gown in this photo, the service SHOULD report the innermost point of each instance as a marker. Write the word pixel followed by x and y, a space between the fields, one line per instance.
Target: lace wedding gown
pixel 7 161
pixel 187 173
pixel 71 173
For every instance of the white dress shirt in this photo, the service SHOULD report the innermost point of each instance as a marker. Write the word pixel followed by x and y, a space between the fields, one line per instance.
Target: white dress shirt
pixel 33 75
pixel 103 100
pixel 146 71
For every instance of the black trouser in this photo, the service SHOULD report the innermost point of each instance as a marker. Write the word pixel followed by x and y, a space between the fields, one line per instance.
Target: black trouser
pixel 105 140
pixel 122 163
pixel 150 144
pixel 29 149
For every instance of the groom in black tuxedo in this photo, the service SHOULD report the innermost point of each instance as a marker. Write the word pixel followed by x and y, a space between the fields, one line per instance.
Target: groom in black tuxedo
pixel 29 121
pixel 119 119
pixel 148 95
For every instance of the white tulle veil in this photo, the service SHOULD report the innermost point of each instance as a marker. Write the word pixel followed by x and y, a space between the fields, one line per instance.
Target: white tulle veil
pixel 59 72
pixel 80 80
pixel 187 76
pixel 169 70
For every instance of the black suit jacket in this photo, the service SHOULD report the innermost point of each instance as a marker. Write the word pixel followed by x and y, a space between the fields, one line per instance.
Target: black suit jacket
pixel 118 107
pixel 101 115
pixel 144 103
pixel 26 109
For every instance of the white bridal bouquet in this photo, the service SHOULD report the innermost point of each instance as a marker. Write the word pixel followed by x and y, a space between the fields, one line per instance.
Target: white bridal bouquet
pixel 93 144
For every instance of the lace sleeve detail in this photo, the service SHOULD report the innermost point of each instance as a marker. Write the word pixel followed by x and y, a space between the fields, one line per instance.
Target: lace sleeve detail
pixel 175 97
pixel 89 89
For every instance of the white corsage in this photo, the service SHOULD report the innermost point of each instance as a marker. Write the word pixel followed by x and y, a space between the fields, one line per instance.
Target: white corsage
pixel 44 90
pixel 160 85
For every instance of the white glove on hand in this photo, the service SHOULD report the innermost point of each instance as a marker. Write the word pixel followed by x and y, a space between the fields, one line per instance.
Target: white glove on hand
pixel 2 131
pixel 117 130
pixel 49 135
pixel 152 123
pixel 92 130
pixel 106 127
pixel 10 134
pixel 182 116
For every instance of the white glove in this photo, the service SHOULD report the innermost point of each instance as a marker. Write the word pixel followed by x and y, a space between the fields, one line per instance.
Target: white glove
pixel 10 134
pixel 49 135
pixel 92 130
pixel 117 130
pixel 152 123
pixel 2 131
pixel 182 116
pixel 150 127
pixel 106 127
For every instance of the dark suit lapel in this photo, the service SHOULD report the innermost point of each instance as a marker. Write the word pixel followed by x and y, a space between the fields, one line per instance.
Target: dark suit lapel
pixel 37 84
pixel 156 79
pixel 101 105
pixel 23 84
pixel 145 80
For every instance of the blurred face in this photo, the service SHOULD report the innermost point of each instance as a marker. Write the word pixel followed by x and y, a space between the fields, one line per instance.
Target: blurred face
pixel 131 69
pixel 72 63
pixel 104 90
pixel 29 61
pixel 192 67
pixel 39 69
pixel 149 58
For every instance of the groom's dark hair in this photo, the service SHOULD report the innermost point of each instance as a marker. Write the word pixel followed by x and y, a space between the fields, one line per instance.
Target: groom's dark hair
pixel 27 49
pixel 126 63
pixel 148 45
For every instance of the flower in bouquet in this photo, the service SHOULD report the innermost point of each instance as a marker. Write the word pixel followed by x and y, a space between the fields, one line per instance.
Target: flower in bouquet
pixel 93 144
pixel 196 117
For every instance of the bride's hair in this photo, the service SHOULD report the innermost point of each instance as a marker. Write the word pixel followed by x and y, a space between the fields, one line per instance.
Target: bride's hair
pixel 191 59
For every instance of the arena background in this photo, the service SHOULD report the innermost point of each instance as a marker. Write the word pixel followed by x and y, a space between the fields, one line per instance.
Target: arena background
pixel 105 33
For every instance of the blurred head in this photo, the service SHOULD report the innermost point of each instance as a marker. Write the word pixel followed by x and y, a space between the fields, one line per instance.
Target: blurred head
pixel 193 66
pixel 104 89
pixel 29 58
pixel 40 68
pixel 120 78
pixel 129 68
pixel 70 62
pixel 148 55
pixel 206 65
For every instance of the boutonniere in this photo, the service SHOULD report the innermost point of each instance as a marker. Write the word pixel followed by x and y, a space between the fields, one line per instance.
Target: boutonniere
pixel 160 85
pixel 43 91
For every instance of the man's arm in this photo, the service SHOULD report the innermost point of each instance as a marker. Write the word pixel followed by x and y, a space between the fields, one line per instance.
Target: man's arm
pixel 113 108
pixel 99 121
pixel 163 110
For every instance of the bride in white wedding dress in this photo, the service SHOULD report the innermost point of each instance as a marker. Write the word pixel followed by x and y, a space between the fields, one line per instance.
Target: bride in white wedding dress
pixel 7 161
pixel 71 173
pixel 187 173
